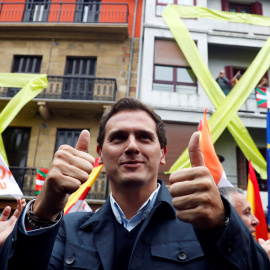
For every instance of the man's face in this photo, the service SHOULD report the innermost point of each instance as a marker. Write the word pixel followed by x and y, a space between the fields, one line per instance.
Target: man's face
pixel 131 150
pixel 222 73
pixel 242 207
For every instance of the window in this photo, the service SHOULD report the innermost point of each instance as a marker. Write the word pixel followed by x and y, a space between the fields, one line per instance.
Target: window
pixel 24 64
pixel 79 80
pixel 36 11
pixel 251 8
pixel 81 67
pixel 87 11
pixel 174 79
pixel 67 136
pixel 240 8
pixel 172 72
pixel 16 141
pixel 162 4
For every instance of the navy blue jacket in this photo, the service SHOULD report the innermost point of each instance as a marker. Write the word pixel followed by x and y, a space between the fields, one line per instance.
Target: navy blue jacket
pixel 86 241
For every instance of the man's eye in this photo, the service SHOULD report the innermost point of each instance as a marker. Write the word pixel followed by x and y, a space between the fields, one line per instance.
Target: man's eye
pixel 146 137
pixel 118 137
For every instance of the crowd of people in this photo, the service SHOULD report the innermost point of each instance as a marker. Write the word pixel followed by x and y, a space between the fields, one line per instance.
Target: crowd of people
pixel 142 225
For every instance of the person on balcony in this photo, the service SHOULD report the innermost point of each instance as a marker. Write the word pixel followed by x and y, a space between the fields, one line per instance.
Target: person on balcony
pixel 236 77
pixel 142 225
pixel 223 82
pixel 263 82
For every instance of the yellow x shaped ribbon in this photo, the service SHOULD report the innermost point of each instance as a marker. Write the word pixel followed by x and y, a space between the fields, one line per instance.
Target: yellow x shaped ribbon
pixel 32 85
pixel 227 107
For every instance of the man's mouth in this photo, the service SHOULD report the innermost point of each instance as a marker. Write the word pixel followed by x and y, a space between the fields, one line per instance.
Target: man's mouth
pixel 131 163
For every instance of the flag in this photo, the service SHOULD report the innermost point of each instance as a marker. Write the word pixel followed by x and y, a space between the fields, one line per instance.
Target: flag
pixel 81 193
pixel 80 206
pixel 40 178
pixel 254 198
pixel 211 159
pixel 268 160
pixel 8 185
pixel 263 97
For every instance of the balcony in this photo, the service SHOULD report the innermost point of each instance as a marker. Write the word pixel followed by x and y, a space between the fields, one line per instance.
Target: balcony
pixel 73 88
pixel 82 18
pixel 26 179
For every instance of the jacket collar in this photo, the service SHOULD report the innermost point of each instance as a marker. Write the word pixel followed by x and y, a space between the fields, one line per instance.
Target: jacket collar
pixel 105 211
pixel 164 198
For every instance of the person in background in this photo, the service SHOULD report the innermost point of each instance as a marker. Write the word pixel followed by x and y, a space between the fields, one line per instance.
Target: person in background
pixel 7 224
pixel 263 82
pixel 223 82
pixel 236 78
pixel 236 197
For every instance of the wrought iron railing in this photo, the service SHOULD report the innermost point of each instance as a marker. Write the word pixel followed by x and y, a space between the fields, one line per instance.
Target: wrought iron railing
pixel 26 179
pixel 73 88
pixel 63 12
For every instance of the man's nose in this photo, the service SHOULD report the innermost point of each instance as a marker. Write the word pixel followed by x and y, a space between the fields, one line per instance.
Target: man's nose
pixel 132 146
pixel 255 221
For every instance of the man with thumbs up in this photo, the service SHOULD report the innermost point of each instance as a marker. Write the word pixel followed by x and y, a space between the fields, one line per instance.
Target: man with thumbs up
pixel 141 226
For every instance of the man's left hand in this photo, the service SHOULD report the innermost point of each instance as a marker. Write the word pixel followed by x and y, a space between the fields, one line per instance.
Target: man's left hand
pixel 195 194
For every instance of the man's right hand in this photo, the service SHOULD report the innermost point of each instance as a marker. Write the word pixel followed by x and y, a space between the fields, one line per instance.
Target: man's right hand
pixel 70 168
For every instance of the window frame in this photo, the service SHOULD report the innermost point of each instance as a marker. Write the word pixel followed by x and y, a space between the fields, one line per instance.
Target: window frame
pixel 174 3
pixel 240 6
pixel 70 61
pixel 27 58
pixel 256 7
pixel 174 82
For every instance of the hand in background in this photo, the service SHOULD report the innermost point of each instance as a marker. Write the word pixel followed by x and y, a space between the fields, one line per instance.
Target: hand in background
pixel 7 225
pixel 265 245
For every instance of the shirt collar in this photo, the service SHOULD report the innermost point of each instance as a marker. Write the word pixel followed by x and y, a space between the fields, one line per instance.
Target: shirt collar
pixel 141 214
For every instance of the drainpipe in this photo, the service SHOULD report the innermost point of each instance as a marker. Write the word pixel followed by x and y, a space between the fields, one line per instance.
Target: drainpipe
pixel 48 68
pixel 131 47
pixel 140 53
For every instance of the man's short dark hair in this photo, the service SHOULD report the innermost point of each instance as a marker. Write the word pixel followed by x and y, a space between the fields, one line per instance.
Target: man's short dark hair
pixel 131 104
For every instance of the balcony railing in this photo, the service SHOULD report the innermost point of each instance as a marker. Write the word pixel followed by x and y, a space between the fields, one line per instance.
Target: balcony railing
pixel 226 90
pixel 26 179
pixel 63 12
pixel 73 88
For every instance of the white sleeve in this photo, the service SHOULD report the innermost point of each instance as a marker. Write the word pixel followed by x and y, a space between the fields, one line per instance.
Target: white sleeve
pixel 36 231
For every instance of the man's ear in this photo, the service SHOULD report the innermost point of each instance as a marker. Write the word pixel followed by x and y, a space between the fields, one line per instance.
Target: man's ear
pixel 163 154
pixel 100 161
